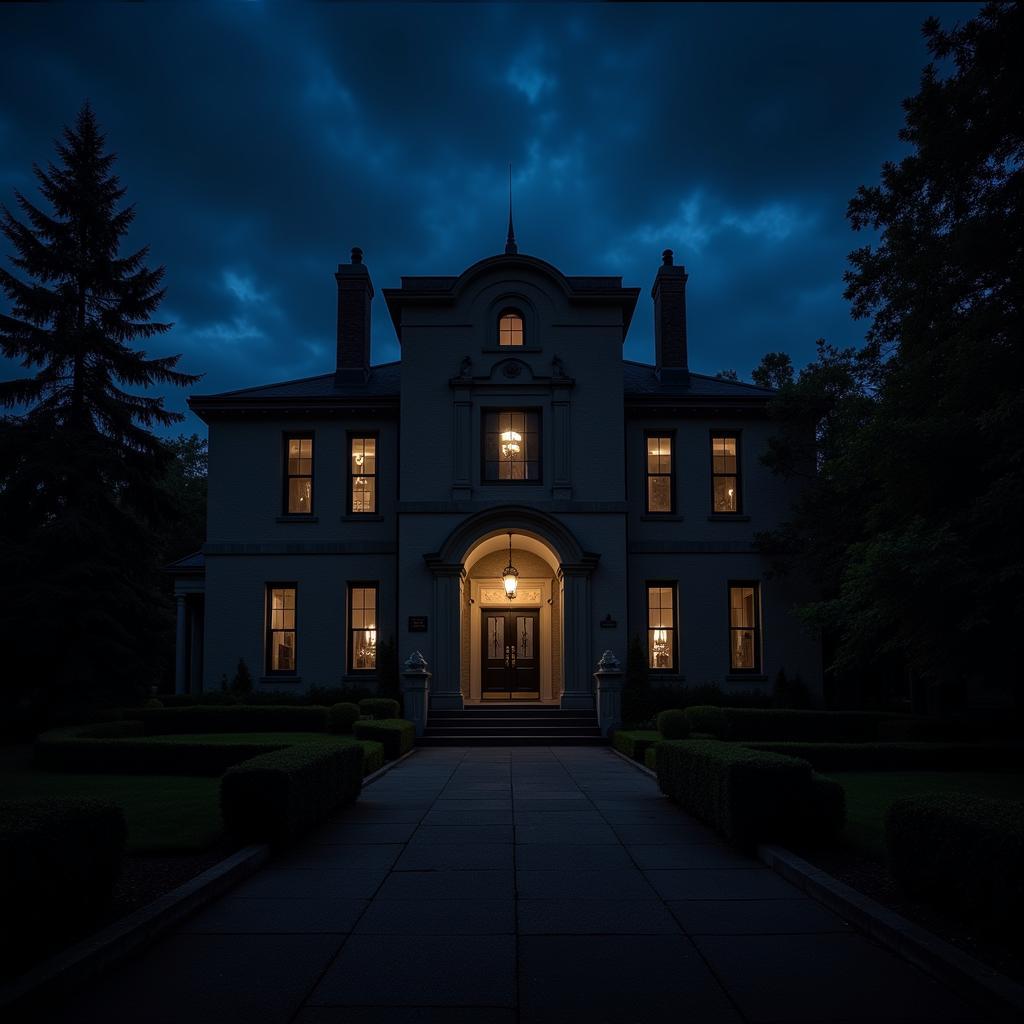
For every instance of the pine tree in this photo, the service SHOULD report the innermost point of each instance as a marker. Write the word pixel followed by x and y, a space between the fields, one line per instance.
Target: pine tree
pixel 80 469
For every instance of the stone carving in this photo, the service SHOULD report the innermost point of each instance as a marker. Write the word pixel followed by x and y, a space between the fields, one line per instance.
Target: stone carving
pixel 557 368
pixel 512 369
pixel 608 663
pixel 465 368
pixel 416 662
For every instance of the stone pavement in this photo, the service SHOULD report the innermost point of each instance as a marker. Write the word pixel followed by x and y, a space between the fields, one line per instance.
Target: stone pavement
pixel 487 885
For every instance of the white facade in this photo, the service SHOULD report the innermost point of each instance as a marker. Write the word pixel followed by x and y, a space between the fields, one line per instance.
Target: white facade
pixel 588 548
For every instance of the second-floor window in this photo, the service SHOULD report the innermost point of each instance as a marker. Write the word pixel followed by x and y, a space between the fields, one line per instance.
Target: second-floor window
pixel 511 446
pixel 725 473
pixel 362 475
pixel 298 474
pixel 660 489
pixel 280 629
pixel 510 328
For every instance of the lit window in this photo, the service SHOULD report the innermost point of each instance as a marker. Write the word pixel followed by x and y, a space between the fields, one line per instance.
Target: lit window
pixel 510 329
pixel 661 626
pixel 298 475
pixel 363 474
pixel 362 619
pixel 744 627
pixel 512 446
pixel 280 628
pixel 659 473
pixel 725 473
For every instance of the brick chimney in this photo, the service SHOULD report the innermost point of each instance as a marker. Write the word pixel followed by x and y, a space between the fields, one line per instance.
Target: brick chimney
pixel 669 294
pixel 355 293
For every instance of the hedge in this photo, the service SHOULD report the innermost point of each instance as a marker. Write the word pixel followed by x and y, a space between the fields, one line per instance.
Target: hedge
pixel 868 757
pixel 673 724
pixel 747 795
pixel 373 756
pixel 635 743
pixel 341 717
pixel 59 860
pixel 276 797
pixel 380 708
pixel 397 735
pixel 651 758
pixel 234 718
pixel 961 851
pixel 784 724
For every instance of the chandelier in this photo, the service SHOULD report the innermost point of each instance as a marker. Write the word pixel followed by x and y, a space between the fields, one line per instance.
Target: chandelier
pixel 510 445
pixel 510 577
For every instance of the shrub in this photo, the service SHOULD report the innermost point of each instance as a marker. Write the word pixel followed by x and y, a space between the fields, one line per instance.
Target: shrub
pixel 241 685
pixel 708 719
pixel 275 718
pixel 651 758
pixel 396 734
pixel 784 724
pixel 388 676
pixel 153 702
pixel 373 756
pixel 329 695
pixel 960 850
pixel 790 692
pixel 837 757
pixel 634 742
pixel 672 724
pixel 341 717
pixel 275 797
pixel 636 691
pixel 826 817
pixel 747 795
pixel 380 707
pixel 59 860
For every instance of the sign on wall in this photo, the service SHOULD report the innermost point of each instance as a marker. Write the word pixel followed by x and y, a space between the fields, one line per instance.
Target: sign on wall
pixel 417 624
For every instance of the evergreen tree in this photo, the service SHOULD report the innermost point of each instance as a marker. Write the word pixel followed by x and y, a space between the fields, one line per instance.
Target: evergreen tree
pixel 774 371
pixel 80 469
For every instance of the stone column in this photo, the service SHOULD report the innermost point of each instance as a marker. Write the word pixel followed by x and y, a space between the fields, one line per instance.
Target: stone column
pixel 576 687
pixel 446 693
pixel 608 688
pixel 416 691
pixel 180 646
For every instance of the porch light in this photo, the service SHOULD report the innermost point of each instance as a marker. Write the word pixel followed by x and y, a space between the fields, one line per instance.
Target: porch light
pixel 510 577
pixel 510 446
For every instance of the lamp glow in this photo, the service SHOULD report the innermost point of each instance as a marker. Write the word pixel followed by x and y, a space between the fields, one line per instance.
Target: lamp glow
pixel 510 446
pixel 510 576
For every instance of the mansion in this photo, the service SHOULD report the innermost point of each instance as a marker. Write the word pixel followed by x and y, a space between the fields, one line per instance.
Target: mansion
pixel 512 498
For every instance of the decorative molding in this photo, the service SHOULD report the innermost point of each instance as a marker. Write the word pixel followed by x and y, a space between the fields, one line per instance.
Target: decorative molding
pixel 478 507
pixel 323 548
pixel 693 547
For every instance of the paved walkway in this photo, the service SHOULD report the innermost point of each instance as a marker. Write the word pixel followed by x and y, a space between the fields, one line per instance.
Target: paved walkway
pixel 478 886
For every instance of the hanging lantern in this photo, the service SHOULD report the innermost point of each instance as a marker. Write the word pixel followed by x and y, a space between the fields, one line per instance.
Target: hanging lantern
pixel 510 577
pixel 510 445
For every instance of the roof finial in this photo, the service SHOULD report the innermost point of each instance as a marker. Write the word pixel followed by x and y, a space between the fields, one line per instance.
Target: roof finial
pixel 510 243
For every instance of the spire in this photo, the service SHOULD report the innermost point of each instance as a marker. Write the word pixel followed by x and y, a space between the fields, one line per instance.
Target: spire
pixel 510 243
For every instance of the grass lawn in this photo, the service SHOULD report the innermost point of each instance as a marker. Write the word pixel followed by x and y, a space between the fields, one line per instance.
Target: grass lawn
pixel 165 813
pixel 869 794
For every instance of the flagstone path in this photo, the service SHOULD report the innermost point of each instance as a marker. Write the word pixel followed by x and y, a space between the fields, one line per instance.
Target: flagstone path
pixel 540 884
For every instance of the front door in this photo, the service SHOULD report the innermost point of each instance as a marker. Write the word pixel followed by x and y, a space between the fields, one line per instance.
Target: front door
pixel 511 655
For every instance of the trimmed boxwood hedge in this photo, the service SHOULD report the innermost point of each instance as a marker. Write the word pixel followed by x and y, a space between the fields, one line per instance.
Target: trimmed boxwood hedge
pixel 748 795
pixel 234 718
pixel 785 724
pixel 59 860
pixel 397 735
pixel 373 756
pixel 673 724
pixel 276 797
pixel 380 707
pixel 961 851
pixel 651 758
pixel 635 743
pixel 837 757
pixel 341 717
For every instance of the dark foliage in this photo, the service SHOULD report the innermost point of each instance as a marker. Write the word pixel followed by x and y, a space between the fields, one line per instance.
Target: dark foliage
pixel 59 860
pixel 388 684
pixel 276 797
pixel 341 717
pixel 396 734
pixel 778 724
pixel 903 757
pixel 637 705
pixel 241 684
pixel 380 707
pixel 235 718
pixel 960 851
pixel 673 724
pixel 635 743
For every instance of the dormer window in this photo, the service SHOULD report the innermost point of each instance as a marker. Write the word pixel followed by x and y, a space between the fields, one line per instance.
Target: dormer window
pixel 510 328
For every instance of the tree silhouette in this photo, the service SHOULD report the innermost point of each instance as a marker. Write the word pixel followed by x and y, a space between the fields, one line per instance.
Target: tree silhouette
pixel 80 469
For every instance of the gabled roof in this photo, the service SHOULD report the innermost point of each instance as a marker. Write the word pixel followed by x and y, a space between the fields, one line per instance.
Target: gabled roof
pixel 194 563
pixel 641 379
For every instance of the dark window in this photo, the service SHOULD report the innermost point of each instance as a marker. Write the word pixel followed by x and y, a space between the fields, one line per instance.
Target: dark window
pixel 362 478
pixel 280 655
pixel 362 627
pixel 725 473
pixel 744 627
pixel 510 328
pixel 660 482
pixel 661 626
pixel 298 474
pixel 511 447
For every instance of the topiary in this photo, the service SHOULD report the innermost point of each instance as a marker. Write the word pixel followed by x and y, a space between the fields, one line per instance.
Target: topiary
pixel 672 724
pixel 380 707
pixel 341 717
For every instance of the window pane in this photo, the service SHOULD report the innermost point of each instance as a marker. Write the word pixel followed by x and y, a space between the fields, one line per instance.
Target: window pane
pixel 723 450
pixel 510 330
pixel 726 498
pixel 511 446
pixel 496 638
pixel 659 494
pixel 524 635
pixel 741 606
pixel 364 652
pixel 659 652
pixel 659 454
pixel 743 653
pixel 300 494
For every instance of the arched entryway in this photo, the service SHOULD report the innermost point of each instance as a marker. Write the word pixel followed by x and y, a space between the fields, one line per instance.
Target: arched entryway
pixel 549 621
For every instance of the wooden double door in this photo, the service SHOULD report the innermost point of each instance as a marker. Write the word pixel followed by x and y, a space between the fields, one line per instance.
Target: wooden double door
pixel 511 654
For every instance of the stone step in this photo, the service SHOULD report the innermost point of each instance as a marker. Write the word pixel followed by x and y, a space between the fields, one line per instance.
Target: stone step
pixel 519 740
pixel 527 730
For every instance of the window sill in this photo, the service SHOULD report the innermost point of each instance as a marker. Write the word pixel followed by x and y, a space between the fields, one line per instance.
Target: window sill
pixel 297 518
pixel 362 517
pixel 279 679
pixel 660 517
pixel 511 349
pixel 741 677
pixel 728 517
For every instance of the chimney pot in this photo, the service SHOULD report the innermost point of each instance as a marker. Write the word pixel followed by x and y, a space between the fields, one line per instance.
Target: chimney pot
pixel 355 294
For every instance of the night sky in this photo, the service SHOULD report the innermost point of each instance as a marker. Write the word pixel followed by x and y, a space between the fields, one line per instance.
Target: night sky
pixel 260 144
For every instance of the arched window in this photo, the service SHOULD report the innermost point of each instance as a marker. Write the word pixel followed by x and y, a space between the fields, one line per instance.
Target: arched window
pixel 510 328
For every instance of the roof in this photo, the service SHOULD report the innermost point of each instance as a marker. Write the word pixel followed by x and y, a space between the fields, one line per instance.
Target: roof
pixel 196 562
pixel 641 379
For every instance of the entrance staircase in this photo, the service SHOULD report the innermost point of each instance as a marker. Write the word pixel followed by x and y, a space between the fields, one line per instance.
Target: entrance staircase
pixel 511 725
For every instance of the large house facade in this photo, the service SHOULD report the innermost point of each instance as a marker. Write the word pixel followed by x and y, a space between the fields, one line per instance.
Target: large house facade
pixel 511 451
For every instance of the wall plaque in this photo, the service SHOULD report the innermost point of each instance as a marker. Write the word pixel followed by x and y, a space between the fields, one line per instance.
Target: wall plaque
pixel 417 623
pixel 608 622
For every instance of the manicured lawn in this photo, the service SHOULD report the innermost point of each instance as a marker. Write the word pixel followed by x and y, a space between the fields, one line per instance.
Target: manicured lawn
pixel 869 794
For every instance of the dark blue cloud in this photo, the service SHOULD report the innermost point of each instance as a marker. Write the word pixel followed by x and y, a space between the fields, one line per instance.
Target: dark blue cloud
pixel 260 143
